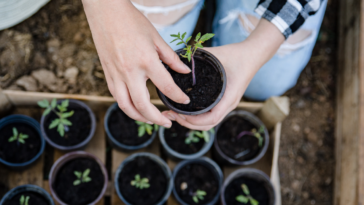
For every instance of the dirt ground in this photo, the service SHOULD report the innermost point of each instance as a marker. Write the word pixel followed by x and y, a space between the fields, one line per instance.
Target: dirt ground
pixel 53 51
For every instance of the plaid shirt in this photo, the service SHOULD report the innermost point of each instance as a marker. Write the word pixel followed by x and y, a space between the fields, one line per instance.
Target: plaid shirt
pixel 287 15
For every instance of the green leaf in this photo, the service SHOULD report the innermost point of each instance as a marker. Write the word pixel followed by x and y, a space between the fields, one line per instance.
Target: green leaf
pixel 174 40
pixel 139 123
pixel 15 132
pixel 43 104
pixel 61 109
pixel 60 129
pixel 27 200
pixel 76 182
pixel 242 199
pixel 67 114
pixel 245 189
pixel 11 139
pixel 180 43
pixel 198 45
pixel 206 37
pixel 54 103
pixel 78 174
pixel 260 141
pixel 47 111
pixel 183 35
pixel 201 193
pixel 261 129
pixel 137 177
pixel 86 173
pixel 66 102
pixel 156 127
pixel 198 134
pixel 198 36
pixel 23 136
pixel 54 123
pixel 66 122
pixel 195 139
pixel 149 128
pixel 87 179
pixel 212 130
pixel 187 140
pixel 133 183
pixel 254 202
pixel 206 136
pixel 195 199
pixel 22 199
pixel 189 57
pixel 146 186
pixel 188 39
pixel 21 141
pixel 174 35
pixel 179 35
pixel 141 131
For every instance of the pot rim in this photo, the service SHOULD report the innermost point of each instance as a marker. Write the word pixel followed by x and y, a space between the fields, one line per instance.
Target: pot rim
pixel 71 156
pixel 31 122
pixel 256 121
pixel 25 188
pixel 221 69
pixel 76 146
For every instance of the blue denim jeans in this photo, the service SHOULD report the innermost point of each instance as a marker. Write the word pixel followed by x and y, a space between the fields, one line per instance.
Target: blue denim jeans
pixel 281 72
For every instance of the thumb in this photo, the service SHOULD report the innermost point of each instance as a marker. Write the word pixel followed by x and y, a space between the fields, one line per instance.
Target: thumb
pixel 169 57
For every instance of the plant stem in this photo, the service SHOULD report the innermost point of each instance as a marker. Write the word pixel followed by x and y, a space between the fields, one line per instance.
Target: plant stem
pixel 193 72
pixel 244 133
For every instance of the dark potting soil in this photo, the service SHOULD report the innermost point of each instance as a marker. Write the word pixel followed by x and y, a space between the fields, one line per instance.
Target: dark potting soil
pixel 146 168
pixel 257 191
pixel 207 89
pixel 16 152
pixel 175 138
pixel 124 129
pixel 231 146
pixel 78 131
pixel 197 177
pixel 83 193
pixel 34 198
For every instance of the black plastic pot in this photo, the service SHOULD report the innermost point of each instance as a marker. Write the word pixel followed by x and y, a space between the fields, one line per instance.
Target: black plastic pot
pixel 208 163
pixel 115 143
pixel 206 56
pixel 222 157
pixel 80 145
pixel 32 123
pixel 27 188
pixel 254 174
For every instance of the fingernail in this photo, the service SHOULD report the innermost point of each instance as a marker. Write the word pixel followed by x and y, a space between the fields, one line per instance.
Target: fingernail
pixel 167 125
pixel 187 101
pixel 187 68
pixel 149 122
pixel 171 116
pixel 183 117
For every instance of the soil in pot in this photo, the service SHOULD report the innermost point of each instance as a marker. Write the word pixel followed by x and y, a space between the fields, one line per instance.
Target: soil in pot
pixel 257 191
pixel 197 177
pixel 34 198
pixel 207 89
pixel 146 168
pixel 84 193
pixel 247 146
pixel 175 138
pixel 16 152
pixel 78 131
pixel 124 129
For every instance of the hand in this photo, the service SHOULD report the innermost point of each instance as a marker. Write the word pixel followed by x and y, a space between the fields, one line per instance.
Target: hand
pixel 130 50
pixel 241 61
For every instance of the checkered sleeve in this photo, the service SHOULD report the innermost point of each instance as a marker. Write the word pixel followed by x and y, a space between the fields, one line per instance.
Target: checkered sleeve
pixel 287 15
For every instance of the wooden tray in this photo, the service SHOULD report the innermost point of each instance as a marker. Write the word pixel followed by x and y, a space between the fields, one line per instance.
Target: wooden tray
pixel 271 112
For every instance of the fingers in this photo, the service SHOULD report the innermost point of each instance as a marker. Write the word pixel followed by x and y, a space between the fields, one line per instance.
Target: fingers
pixel 184 123
pixel 164 82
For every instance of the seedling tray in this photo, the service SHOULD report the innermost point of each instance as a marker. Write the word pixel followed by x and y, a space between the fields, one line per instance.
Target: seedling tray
pixel 271 112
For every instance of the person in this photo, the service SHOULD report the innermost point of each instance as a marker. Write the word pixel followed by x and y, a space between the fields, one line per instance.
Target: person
pixel 263 46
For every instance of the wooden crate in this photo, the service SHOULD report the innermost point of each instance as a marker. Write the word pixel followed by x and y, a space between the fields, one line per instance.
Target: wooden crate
pixel 271 112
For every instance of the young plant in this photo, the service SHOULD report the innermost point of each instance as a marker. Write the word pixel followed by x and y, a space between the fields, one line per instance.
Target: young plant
pixel 145 127
pixel 258 134
pixel 247 198
pixel 24 200
pixel 82 177
pixel 194 136
pixel 191 49
pixel 19 137
pixel 198 195
pixel 61 122
pixel 141 183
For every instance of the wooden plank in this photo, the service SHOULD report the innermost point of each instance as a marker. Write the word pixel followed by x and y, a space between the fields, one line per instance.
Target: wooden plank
pixel 361 109
pixel 31 175
pixel 5 103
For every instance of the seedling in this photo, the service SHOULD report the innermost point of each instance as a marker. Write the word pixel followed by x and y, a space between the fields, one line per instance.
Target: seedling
pixel 61 122
pixel 19 137
pixel 145 127
pixel 191 50
pixel 247 198
pixel 194 136
pixel 258 134
pixel 82 177
pixel 198 195
pixel 141 183
pixel 24 200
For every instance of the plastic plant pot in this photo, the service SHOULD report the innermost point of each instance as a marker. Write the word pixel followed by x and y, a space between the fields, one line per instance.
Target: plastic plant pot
pixel 80 145
pixel 211 165
pixel 211 59
pixel 71 156
pixel 156 159
pixel 32 123
pixel 222 157
pixel 254 174
pixel 179 156
pixel 115 143
pixel 27 188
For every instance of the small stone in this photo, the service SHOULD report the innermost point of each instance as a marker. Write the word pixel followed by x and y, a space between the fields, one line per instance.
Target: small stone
pixel 87 65
pixel 53 45
pixel 312 137
pixel 184 186
pixel 71 74
pixel 28 83
pixel 295 184
pixel 300 104
pixel 296 127
pixel 307 113
pixel 300 160
pixel 67 50
pixel 307 130
pixel 46 78
pixel 328 181
pixel 78 38
pixel 305 195
pixel 68 62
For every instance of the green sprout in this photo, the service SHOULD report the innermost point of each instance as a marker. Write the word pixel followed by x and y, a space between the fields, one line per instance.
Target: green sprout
pixel 198 195
pixel 82 177
pixel 145 127
pixel 141 183
pixel 258 134
pixel 194 136
pixel 191 50
pixel 19 137
pixel 61 122
pixel 247 198
pixel 24 200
